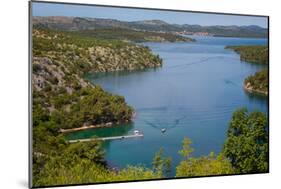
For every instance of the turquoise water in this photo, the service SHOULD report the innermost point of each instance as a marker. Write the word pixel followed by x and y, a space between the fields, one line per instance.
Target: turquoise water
pixel 193 95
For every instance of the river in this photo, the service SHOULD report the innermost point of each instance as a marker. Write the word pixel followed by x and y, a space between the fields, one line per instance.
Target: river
pixel 192 95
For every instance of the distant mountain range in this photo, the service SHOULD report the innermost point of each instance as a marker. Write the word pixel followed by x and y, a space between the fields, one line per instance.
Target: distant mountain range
pixel 79 23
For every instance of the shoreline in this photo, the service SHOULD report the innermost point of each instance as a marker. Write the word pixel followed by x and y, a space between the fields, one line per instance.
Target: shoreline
pixel 85 128
pixel 103 125
pixel 248 88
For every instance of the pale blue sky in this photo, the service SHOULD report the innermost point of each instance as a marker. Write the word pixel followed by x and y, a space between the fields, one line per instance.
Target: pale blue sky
pixel 125 14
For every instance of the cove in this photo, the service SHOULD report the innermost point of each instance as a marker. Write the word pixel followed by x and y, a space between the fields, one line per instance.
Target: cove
pixel 192 95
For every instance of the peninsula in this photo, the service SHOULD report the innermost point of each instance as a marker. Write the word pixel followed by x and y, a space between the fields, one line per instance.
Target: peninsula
pixel 258 54
pixel 60 91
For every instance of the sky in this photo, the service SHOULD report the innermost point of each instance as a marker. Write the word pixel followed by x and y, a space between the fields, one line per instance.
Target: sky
pixel 125 14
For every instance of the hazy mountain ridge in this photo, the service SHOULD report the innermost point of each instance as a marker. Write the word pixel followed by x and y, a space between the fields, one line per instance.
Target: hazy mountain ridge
pixel 84 23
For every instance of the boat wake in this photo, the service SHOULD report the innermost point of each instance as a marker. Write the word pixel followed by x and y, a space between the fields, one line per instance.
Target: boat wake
pixel 170 118
pixel 204 60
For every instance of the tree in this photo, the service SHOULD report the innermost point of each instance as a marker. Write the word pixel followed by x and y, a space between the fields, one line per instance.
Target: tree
pixel 201 166
pixel 186 149
pixel 82 163
pixel 39 114
pixel 161 166
pixel 92 151
pixel 247 142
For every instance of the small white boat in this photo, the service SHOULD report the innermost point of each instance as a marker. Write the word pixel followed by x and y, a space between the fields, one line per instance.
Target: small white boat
pixel 136 132
pixel 163 130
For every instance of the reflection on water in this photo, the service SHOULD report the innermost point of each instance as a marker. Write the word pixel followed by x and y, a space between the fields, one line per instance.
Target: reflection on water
pixel 192 95
pixel 257 99
pixel 117 130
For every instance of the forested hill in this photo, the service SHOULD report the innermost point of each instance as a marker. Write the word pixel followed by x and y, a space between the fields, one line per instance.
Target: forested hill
pixel 60 59
pixel 253 54
pixel 79 23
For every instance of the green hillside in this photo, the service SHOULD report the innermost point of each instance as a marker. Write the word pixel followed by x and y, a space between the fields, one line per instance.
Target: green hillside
pixel 253 54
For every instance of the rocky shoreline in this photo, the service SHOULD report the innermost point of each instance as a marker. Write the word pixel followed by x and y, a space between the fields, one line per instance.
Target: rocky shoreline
pixel 250 89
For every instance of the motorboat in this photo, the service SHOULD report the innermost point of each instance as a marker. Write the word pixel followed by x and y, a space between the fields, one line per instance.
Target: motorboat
pixel 136 132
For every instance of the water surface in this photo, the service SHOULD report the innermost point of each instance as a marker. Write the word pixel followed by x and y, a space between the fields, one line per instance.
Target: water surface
pixel 192 95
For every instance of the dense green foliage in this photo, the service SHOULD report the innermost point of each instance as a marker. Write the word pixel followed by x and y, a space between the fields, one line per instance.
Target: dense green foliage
pixel 46 125
pixel 82 163
pixel 133 35
pixel 253 54
pixel 201 166
pixel 258 82
pixel 247 142
pixel 88 106
pixel 86 172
